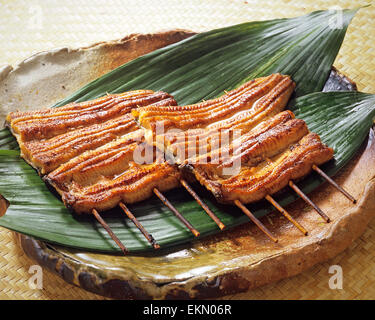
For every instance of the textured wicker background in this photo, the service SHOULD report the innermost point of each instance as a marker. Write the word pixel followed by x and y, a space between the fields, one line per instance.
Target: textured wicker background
pixel 27 27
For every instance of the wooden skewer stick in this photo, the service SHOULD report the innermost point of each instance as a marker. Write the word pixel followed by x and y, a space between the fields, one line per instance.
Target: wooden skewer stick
pixel 308 200
pixel 202 204
pixel 259 224
pixel 110 232
pixel 148 236
pixel 333 183
pixel 176 213
pixel 286 214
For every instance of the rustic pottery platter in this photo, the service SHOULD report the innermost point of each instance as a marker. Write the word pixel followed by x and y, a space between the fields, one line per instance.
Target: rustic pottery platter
pixel 232 261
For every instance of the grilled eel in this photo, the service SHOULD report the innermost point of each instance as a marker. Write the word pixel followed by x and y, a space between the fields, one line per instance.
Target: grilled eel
pixel 273 147
pixel 192 127
pixel 247 101
pixel 85 150
pixel 89 170
pixel 103 177
pixel 266 161
pixel 51 137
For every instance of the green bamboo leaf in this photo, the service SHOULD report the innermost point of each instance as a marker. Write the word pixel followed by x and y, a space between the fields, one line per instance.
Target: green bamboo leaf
pixel 198 68
pixel 203 66
pixel 343 120
pixel 7 141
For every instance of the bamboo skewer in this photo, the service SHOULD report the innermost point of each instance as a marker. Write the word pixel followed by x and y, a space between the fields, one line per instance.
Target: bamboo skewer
pixel 202 204
pixel 286 214
pixel 260 225
pixel 148 236
pixel 308 200
pixel 333 183
pixel 175 212
pixel 110 232
pixel 238 203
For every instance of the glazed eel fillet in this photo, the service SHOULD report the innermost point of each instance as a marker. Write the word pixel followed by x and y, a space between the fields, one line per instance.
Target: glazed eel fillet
pixel 85 150
pixel 272 149
pixel 50 137
pixel 263 162
pixel 186 129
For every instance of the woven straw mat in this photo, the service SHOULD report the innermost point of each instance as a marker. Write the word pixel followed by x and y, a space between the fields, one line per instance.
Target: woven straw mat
pixel 27 27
